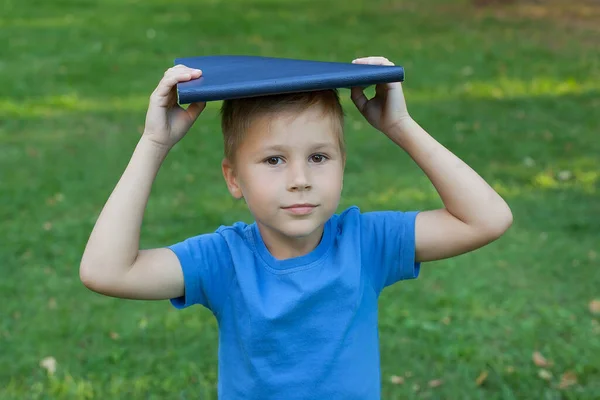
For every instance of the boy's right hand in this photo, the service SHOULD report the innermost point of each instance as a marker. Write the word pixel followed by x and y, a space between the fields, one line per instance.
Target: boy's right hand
pixel 166 121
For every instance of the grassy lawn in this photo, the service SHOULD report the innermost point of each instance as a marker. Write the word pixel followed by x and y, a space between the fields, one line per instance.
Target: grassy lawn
pixel 511 90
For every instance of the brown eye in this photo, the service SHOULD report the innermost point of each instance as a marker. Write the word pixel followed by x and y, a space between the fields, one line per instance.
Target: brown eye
pixel 273 160
pixel 317 158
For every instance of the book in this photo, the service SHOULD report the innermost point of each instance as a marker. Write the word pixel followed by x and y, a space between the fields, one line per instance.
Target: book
pixel 236 76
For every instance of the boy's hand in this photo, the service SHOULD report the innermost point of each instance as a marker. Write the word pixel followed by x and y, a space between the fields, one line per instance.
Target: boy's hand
pixel 166 121
pixel 387 110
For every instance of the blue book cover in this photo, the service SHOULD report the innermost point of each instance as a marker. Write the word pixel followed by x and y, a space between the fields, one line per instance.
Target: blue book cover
pixel 236 76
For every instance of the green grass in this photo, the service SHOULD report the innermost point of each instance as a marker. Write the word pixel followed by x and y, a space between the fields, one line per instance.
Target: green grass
pixel 517 99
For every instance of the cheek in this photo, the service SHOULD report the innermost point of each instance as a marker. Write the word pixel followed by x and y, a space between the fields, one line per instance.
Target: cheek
pixel 330 182
pixel 259 185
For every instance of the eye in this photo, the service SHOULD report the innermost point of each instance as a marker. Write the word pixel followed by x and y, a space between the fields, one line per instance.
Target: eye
pixel 318 158
pixel 273 160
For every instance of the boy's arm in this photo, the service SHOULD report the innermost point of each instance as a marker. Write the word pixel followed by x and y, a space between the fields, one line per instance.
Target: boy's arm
pixel 112 263
pixel 473 214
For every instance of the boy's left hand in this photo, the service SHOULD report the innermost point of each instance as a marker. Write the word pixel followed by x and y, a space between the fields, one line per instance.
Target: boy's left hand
pixel 387 110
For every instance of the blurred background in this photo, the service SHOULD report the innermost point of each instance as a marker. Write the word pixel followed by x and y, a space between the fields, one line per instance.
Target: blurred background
pixel 511 87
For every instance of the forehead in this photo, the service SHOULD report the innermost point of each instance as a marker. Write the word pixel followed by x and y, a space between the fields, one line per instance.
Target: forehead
pixel 291 129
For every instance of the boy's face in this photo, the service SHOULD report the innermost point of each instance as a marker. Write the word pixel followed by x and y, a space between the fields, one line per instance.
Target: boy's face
pixel 290 172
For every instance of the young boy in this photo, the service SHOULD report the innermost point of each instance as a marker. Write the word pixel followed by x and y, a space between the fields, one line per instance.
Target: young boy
pixel 295 293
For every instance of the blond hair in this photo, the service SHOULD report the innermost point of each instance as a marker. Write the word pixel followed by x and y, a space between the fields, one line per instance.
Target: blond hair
pixel 237 115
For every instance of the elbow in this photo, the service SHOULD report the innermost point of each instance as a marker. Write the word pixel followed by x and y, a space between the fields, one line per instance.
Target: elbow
pixel 499 223
pixel 87 277
pixel 91 279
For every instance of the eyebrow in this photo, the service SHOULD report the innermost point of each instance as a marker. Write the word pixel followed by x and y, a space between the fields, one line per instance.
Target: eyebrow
pixel 283 148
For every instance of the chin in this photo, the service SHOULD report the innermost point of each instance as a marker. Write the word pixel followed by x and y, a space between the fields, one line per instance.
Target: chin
pixel 300 228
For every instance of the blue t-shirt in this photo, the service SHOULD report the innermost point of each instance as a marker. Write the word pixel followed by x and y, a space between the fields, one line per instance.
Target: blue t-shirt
pixel 305 327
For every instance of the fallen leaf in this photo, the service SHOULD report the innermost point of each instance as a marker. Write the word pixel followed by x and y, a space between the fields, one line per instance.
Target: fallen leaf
pixel 545 374
pixel 481 378
pixel 435 383
pixel 143 323
pixel 27 255
pixel 460 126
pixel 446 320
pixel 52 303
pixel 567 379
pixel 397 380
pixel 49 364
pixel 114 335
pixel 564 175
pixel 539 360
pixel 47 226
pixel 529 162
pixel 594 306
pixel 596 326
pixel 32 152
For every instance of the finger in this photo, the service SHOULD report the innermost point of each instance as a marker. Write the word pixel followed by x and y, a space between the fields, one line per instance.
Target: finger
pixel 170 100
pixel 169 81
pixel 372 58
pixel 358 97
pixel 195 73
pixel 179 69
pixel 194 110
pixel 373 61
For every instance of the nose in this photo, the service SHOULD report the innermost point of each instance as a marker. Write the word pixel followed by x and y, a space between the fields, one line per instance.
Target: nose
pixel 299 178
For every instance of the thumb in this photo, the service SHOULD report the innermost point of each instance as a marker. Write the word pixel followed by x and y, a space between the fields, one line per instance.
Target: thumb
pixel 194 110
pixel 358 97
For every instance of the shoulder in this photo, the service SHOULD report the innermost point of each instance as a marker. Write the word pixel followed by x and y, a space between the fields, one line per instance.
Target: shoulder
pixel 353 218
pixel 354 215
pixel 347 221
pixel 239 230
pixel 224 237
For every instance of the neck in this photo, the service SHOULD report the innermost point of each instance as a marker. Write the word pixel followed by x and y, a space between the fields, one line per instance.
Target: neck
pixel 283 247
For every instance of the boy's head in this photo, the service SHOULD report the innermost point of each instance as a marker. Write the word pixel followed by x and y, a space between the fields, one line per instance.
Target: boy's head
pixel 282 151
pixel 237 115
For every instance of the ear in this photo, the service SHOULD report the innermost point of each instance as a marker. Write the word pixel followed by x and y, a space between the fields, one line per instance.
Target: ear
pixel 231 179
pixel 343 169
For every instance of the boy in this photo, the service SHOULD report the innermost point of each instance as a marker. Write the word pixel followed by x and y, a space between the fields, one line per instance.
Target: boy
pixel 295 294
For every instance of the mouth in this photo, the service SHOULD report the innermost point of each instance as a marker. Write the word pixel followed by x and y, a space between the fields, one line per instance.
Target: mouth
pixel 300 209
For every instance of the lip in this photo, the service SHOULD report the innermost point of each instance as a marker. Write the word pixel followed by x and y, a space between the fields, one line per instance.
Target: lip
pixel 300 209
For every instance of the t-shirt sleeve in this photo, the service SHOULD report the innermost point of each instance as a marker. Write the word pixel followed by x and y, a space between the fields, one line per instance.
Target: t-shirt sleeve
pixel 207 269
pixel 388 244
